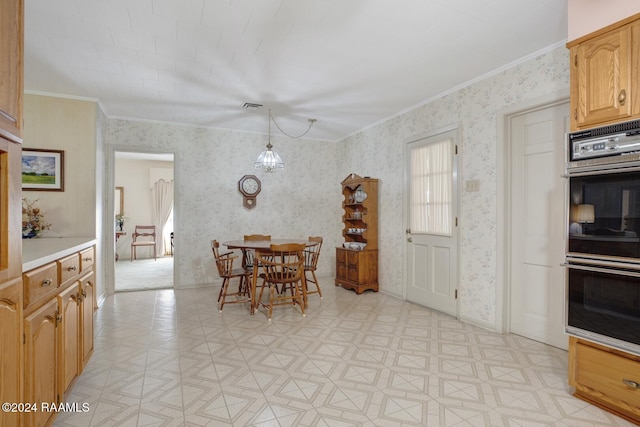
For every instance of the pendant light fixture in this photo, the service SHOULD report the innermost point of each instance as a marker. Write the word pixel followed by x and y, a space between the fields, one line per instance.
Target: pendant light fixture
pixel 269 160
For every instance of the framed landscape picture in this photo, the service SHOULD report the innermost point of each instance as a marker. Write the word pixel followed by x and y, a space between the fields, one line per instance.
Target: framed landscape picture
pixel 42 170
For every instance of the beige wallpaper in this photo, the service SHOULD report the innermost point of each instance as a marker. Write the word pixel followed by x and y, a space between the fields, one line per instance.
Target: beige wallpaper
pixel 378 151
pixel 305 199
pixel 68 125
pixel 300 201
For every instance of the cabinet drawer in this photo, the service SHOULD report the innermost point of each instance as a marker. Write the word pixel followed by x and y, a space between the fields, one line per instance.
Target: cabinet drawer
pixel 87 259
pixel 68 267
pixel 39 282
pixel 606 372
pixel 341 255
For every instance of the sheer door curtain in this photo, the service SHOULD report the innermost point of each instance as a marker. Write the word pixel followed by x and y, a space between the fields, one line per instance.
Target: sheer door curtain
pixel 162 199
pixel 431 173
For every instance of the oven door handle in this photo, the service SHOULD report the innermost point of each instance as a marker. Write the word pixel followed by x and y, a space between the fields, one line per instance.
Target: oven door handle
pixel 601 270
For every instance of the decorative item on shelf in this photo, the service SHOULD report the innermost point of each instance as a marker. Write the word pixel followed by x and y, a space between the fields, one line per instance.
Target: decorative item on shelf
pixel 120 220
pixel 33 222
pixel 269 160
pixel 360 195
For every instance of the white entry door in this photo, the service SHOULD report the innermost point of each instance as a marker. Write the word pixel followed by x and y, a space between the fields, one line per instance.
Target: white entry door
pixel 432 233
pixel 537 224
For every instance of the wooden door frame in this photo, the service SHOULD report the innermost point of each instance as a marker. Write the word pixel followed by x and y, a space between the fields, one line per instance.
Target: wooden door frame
pixel 503 199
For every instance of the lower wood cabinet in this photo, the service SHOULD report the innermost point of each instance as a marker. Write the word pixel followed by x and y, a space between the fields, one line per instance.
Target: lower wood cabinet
pixel 357 270
pixel 605 377
pixel 41 361
pixel 11 356
pixel 87 301
pixel 69 337
pixel 58 330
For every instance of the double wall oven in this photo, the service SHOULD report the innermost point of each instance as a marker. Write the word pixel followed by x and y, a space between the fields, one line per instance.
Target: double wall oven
pixel 603 235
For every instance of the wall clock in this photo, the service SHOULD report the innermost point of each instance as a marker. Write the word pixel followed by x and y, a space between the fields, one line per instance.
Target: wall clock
pixel 249 187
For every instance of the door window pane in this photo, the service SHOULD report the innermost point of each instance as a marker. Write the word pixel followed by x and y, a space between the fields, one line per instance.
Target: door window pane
pixel 431 188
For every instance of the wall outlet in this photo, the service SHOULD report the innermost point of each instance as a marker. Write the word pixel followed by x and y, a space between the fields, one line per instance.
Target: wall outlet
pixel 472 185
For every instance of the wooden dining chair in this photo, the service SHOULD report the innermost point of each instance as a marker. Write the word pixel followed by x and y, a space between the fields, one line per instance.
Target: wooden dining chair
pixel 143 235
pixel 249 255
pixel 283 268
pixel 224 263
pixel 311 256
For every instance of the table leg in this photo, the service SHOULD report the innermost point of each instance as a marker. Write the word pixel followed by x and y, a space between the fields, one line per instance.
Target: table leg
pixel 254 281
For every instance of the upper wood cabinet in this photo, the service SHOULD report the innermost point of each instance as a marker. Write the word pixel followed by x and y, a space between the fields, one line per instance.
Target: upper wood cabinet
pixel 604 75
pixel 11 69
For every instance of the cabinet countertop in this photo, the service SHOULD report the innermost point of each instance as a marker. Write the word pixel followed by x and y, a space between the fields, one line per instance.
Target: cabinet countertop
pixel 40 251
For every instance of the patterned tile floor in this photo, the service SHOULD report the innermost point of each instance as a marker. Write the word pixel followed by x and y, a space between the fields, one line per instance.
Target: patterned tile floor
pixel 169 358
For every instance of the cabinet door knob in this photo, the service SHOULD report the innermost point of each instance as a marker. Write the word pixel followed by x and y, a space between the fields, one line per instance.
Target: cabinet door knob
pixel 87 259
pixel 622 97
pixel 46 282
pixel 72 268
pixel 632 384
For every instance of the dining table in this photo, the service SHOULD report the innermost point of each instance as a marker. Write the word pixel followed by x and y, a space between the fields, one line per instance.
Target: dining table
pixel 263 246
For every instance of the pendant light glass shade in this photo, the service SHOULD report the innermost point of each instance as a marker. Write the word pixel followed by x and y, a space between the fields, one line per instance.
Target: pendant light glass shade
pixel 269 160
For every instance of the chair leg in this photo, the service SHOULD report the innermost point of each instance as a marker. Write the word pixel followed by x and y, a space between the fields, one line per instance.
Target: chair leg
pixel 272 296
pixel 223 292
pixel 315 282
pixel 300 295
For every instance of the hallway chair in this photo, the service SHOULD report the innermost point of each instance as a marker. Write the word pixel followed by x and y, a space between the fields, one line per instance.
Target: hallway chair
pixel 144 235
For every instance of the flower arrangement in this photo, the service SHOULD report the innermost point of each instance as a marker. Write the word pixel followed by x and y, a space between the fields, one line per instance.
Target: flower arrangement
pixel 33 222
pixel 120 220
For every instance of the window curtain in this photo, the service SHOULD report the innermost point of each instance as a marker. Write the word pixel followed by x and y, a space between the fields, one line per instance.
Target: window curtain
pixel 162 199
pixel 432 186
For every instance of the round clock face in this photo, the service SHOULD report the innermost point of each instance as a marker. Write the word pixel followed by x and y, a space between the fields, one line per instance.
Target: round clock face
pixel 250 186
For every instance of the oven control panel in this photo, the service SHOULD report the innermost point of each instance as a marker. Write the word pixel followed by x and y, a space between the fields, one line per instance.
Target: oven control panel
pixel 604 141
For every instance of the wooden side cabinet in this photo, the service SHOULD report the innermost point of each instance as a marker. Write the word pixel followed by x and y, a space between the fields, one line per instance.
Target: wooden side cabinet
pixel 605 377
pixel 357 270
pixel 357 264
pixel 604 75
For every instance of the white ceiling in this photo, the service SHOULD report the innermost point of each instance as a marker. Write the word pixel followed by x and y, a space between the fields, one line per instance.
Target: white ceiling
pixel 347 63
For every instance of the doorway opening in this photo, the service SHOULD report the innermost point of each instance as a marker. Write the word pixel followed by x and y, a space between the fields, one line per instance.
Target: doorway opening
pixel 144 196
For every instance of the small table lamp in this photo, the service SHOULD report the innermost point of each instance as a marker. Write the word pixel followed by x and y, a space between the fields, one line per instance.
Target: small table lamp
pixel 583 214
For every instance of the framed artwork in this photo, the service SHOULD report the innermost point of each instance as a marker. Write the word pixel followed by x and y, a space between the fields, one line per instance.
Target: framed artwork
pixel 42 170
pixel 118 201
